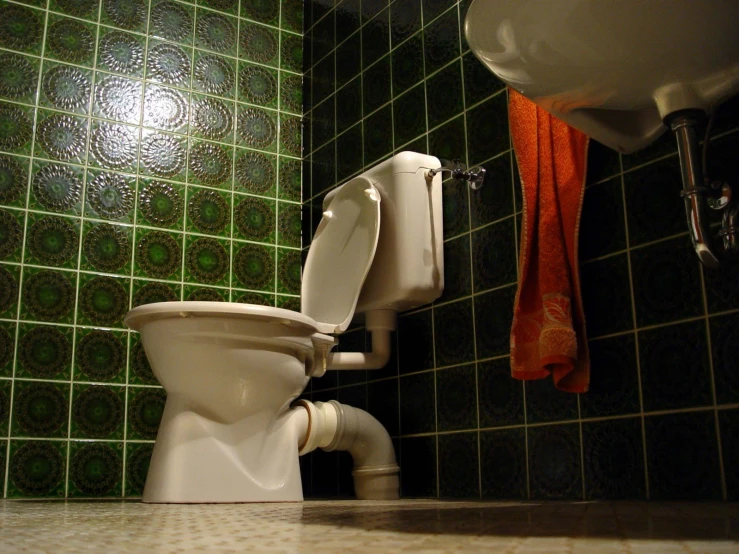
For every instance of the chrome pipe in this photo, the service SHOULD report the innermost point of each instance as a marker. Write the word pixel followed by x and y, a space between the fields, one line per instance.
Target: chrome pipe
pixel 694 193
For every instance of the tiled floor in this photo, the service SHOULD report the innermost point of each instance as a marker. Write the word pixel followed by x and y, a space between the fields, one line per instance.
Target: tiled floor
pixel 361 527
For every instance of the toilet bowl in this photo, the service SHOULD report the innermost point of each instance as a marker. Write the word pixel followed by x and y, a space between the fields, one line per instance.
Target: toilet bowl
pixel 232 371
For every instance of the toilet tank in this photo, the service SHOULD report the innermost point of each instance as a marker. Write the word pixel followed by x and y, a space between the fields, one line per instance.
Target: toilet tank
pixel 408 267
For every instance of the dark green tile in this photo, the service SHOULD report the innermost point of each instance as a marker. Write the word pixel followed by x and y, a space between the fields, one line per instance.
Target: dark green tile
pixel 729 424
pixel 444 93
pixel 349 105
pixel 379 139
pixel 666 282
pixel 138 456
pixel 417 406
pixel 48 295
pixel 495 199
pixel 348 19
pixel 348 60
pixel 603 162
pixel 682 457
pixel 479 81
pixel 455 208
pixel 453 333
pixel 554 462
pixel 448 141
pixel 7 348
pixel 288 271
pixel 13 180
pixel 382 403
pixel 606 296
pixel 40 409
pixel 107 248
pixel 415 337
pixel 724 338
pixel 10 285
pixel 458 466
pixel 98 412
pixel 503 464
pixel 657 184
pixel 375 38
pixel 100 356
pixel 441 41
pixel 487 129
pixel 409 115
pixel 494 255
pixel 376 85
pixel 44 352
pixel 324 79
pixel 493 319
pixel 324 122
pixel 370 8
pixel 602 228
pixel 418 467
pixel 722 287
pixel 324 168
pixel 614 386
pixel 500 397
pixel 545 403
pixel 96 469
pixel 324 37
pixel 349 153
pixel 675 350
pixel 407 64
pixel 11 235
pixel 457 281
pixel 456 401
pixel 614 459
pixel 36 468
pixel 144 412
pixel 405 19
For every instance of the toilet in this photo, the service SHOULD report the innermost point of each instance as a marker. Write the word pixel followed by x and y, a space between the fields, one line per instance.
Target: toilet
pixel 232 372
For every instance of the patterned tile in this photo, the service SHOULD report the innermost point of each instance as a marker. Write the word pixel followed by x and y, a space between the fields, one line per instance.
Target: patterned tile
pixel 119 168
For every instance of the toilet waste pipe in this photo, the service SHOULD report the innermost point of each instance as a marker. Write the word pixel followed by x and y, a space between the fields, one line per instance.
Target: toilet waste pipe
pixel 334 426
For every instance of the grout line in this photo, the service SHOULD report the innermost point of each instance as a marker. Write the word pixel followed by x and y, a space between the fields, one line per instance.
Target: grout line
pixel 717 422
pixel 634 323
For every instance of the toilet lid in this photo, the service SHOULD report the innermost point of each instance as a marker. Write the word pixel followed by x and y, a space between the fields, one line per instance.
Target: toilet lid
pixel 341 254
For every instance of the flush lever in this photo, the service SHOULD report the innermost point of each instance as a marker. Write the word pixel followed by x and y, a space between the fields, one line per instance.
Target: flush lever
pixel 474 176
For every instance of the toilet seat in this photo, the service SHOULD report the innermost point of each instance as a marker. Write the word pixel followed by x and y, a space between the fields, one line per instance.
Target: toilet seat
pixel 137 317
pixel 341 254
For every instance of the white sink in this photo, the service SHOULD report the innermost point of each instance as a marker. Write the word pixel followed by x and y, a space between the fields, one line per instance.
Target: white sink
pixel 612 68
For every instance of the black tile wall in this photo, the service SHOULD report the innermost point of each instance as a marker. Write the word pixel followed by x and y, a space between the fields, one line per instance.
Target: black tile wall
pixel 660 419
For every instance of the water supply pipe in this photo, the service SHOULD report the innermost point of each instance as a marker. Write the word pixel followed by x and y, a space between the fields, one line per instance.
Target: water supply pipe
pixel 334 426
pixel 380 324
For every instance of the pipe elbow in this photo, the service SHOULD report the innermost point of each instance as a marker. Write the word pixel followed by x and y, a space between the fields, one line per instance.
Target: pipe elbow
pixel 335 426
pixel 377 359
pixel 381 324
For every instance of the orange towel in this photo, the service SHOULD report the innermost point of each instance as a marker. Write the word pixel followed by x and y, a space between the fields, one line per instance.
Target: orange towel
pixel 548 334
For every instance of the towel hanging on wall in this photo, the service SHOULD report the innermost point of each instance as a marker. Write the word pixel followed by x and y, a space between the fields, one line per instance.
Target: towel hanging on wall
pixel 548 334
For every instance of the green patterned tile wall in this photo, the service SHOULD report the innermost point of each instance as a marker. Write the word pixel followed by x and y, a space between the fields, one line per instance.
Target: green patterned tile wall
pixel 149 151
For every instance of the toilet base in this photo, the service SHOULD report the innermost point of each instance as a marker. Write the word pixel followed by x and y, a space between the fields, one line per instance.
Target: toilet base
pixel 199 460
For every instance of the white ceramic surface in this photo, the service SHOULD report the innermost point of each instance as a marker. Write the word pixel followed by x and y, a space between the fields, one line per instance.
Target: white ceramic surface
pixel 611 68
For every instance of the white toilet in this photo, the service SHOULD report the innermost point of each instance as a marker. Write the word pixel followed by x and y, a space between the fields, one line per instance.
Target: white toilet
pixel 232 371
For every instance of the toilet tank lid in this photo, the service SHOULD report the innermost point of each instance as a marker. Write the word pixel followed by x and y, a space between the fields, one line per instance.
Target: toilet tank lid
pixel 341 254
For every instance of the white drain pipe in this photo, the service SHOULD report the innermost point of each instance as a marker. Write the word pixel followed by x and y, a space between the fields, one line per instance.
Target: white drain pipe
pixel 380 323
pixel 335 426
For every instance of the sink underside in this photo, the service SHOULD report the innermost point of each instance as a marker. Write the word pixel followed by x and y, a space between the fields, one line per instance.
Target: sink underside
pixel 612 68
